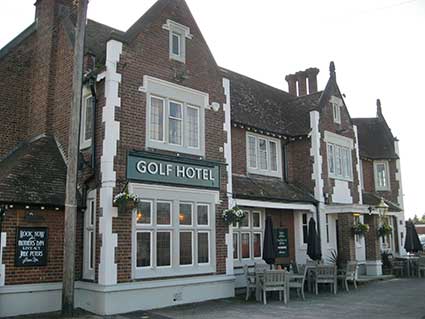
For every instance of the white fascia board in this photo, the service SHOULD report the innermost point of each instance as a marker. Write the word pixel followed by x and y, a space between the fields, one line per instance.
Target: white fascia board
pixel 340 209
pixel 275 205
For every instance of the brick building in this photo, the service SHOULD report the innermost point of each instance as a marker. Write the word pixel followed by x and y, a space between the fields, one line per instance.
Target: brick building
pixel 162 120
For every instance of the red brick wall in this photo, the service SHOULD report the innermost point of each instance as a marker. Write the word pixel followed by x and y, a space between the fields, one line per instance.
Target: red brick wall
pixel 15 70
pixel 346 242
pixel 54 221
pixel 239 165
pixel 300 164
pixel 148 55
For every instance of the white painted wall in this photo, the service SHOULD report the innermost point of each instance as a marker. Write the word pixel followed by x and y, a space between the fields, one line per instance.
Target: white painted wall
pixel 317 158
pixel 358 165
pixel 107 266
pixel 400 199
pixel 331 246
pixel 341 193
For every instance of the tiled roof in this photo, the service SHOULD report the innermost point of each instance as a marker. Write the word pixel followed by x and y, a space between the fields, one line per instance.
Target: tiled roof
pixel 373 200
pixel 35 173
pixel 268 189
pixel 375 139
pixel 261 106
pixel 97 34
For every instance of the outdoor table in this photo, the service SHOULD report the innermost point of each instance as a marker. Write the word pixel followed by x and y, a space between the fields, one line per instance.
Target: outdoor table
pixel 311 275
pixel 410 261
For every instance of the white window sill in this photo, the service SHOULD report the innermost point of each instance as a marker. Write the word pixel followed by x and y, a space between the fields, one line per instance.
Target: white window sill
pixel 340 178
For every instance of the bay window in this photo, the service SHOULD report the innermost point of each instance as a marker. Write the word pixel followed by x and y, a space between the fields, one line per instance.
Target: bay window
pixel 175 118
pixel 263 155
pixel 339 162
pixel 173 233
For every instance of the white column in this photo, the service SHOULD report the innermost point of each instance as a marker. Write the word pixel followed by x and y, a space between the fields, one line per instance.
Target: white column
pixel 400 199
pixel 107 266
pixel 228 158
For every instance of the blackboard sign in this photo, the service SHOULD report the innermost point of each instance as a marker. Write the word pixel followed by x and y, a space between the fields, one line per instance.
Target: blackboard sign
pixel 281 235
pixel 31 247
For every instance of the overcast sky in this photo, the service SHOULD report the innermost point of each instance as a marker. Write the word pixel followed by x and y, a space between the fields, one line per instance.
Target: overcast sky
pixel 378 47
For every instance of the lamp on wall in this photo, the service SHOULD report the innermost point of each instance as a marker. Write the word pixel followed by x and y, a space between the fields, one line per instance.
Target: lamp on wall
pixel 382 208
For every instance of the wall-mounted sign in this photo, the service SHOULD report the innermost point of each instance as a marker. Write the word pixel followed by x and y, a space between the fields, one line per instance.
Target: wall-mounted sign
pixel 281 235
pixel 31 247
pixel 156 168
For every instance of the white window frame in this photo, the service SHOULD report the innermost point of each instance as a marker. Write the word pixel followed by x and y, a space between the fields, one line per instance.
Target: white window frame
pixel 151 233
pixel 85 143
pixel 337 104
pixel 183 32
pixel 89 256
pixel 387 173
pixel 251 230
pixel 339 144
pixel 164 107
pixel 189 98
pixel 176 196
pixel 257 169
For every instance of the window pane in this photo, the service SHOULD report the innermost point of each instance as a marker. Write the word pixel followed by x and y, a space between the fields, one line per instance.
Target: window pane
pixel 163 213
pixel 144 213
pixel 257 245
pixel 143 249
pixel 305 234
pixel 88 131
pixel 185 214
pixel 193 127
pixel 331 159
pixel 176 43
pixel 163 248
pixel 245 221
pixel 203 214
pixel 343 162
pixel 157 119
pixel 256 219
pixel 382 177
pixel 91 249
pixel 175 110
pixel 235 245
pixel 252 151
pixel 273 156
pixel 203 249
pixel 245 245
pixel 338 170
pixel 185 248
pixel 92 213
pixel 262 146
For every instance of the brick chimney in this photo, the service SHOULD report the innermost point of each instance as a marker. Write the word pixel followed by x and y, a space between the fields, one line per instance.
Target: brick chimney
pixel 297 83
pixel 47 18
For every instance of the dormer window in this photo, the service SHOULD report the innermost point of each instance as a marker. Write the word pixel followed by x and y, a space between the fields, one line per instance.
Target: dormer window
pixel 177 43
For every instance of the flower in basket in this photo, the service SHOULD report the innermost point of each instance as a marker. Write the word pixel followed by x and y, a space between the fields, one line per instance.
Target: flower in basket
pixel 126 200
pixel 233 215
pixel 360 229
pixel 384 230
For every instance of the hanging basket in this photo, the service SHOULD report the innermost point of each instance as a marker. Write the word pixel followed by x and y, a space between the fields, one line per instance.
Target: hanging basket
pixel 233 215
pixel 126 202
pixel 385 230
pixel 360 229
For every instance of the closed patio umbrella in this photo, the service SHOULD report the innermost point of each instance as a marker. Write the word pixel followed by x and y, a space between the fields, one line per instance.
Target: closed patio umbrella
pixel 313 244
pixel 269 244
pixel 412 243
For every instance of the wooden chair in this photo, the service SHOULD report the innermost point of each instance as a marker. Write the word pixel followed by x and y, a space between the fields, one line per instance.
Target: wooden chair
pixel 261 267
pixel 297 281
pixel 249 280
pixel 274 280
pixel 326 274
pixel 420 266
pixel 348 274
pixel 397 266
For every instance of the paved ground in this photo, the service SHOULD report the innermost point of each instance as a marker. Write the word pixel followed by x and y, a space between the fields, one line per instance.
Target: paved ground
pixel 397 298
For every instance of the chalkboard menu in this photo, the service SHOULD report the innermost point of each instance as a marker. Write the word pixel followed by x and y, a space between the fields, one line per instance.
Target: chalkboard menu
pixel 31 247
pixel 281 235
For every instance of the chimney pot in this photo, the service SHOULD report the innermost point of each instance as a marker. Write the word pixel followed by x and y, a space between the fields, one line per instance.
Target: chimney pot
pixel 312 79
pixel 292 84
pixel 302 83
